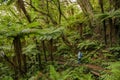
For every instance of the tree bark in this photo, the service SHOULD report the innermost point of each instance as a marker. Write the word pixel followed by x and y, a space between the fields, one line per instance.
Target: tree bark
pixel 104 25
pixel 18 51
pixel 39 55
pixel 116 26
pixel 51 50
pixel 22 7
pixel 44 50
pixel 86 8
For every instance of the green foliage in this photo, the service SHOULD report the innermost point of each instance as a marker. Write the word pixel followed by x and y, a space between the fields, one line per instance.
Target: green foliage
pixel 74 21
pixel 30 50
pixel 87 44
pixel 108 15
pixel 3 69
pixel 50 33
pixel 81 73
pixel 113 73
pixel 115 51
pixel 59 76
pixel 62 49
pixel 7 78
pixel 50 19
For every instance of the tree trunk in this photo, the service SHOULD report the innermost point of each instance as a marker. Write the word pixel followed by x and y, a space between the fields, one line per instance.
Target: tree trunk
pixel 18 51
pixel 51 50
pixel 116 26
pixel 80 29
pixel 25 63
pixel 44 50
pixel 87 10
pixel 104 26
pixel 39 55
pixel 22 7
pixel 110 25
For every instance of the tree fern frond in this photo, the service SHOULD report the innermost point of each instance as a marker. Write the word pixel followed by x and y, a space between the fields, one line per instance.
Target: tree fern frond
pixel 114 73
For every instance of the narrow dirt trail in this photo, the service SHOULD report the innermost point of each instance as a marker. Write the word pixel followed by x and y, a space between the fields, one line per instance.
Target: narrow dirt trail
pixel 94 69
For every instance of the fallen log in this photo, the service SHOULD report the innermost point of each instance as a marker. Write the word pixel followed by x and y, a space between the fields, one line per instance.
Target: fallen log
pixel 95 73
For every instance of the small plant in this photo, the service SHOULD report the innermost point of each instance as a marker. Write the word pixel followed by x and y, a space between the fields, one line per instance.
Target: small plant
pixel 79 73
pixel 5 72
pixel 113 73
pixel 115 51
pixel 54 75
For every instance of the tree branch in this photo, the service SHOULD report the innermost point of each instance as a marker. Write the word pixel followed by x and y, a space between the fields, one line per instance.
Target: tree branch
pixel 43 13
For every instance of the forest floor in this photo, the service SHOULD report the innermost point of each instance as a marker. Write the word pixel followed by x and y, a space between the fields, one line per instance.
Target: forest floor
pixel 94 69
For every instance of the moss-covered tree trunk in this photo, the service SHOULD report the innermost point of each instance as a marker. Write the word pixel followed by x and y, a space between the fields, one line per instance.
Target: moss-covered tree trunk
pixel 51 50
pixel 87 10
pixel 39 55
pixel 18 52
pixel 104 23
pixel 44 50
pixel 116 26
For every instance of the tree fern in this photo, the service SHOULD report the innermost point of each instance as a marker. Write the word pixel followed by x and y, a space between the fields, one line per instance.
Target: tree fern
pixel 87 45
pixel 107 15
pixel 54 75
pixel 114 73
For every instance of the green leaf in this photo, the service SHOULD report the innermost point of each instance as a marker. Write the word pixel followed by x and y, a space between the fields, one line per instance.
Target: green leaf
pixel 33 24
pixel 53 74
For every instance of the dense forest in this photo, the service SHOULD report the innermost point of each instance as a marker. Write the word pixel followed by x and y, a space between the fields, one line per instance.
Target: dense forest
pixel 59 39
